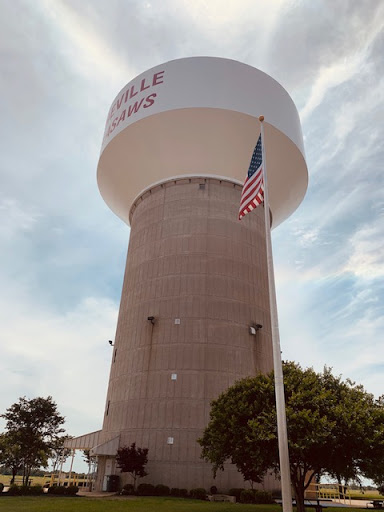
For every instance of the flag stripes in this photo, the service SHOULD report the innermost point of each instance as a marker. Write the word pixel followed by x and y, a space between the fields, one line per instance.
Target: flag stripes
pixel 253 190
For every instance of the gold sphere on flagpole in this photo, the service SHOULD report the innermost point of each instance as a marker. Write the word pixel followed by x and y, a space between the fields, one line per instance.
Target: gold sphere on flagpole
pixel 261 119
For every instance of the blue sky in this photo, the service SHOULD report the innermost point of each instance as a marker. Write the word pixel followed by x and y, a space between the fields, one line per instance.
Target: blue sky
pixel 63 251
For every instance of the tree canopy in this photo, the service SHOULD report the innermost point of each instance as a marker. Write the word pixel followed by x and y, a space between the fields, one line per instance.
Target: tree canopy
pixel 33 428
pixel 132 460
pixel 334 427
pixel 10 455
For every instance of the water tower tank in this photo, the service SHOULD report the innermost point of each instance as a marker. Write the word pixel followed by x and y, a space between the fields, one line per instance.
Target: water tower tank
pixel 176 149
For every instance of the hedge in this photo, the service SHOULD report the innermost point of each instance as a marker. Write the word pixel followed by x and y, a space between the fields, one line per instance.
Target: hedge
pixel 146 490
pixel 236 491
pixel 198 494
pixel 179 493
pixel 60 490
pixel 25 490
pixel 162 490
pixel 255 496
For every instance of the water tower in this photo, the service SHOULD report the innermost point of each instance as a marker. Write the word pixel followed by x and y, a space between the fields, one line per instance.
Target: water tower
pixel 176 149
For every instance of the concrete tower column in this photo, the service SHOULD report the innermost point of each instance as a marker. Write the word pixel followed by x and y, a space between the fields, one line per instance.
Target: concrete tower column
pixel 201 275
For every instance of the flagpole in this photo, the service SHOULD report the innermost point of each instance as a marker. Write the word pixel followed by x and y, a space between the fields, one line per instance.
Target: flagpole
pixel 277 363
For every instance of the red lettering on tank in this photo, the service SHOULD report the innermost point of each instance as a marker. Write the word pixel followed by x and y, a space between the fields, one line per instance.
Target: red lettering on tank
pixel 133 109
pixel 149 100
pixel 157 78
pixel 133 92
pixel 122 117
pixel 142 85
pixel 119 102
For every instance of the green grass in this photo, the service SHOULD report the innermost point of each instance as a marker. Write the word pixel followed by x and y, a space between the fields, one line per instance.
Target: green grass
pixel 355 495
pixel 51 504
pixel 36 480
pixel 117 504
pixel 368 495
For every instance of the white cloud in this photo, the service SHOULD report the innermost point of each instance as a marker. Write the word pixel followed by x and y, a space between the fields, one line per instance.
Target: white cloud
pixel 320 327
pixel 327 78
pixel 63 355
pixel 367 252
pixel 213 15
pixel 345 68
pixel 352 115
pixel 356 346
pixel 87 50
pixel 17 218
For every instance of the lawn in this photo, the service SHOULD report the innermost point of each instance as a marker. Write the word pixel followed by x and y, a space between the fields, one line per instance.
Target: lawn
pixel 36 480
pixel 58 504
pixel 367 495
pixel 81 504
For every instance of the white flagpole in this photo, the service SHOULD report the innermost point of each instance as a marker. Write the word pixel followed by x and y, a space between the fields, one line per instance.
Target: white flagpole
pixel 277 364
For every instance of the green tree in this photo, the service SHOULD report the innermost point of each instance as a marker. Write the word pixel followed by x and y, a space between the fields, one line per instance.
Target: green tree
pixel 59 454
pixel 331 427
pixel 33 426
pixel 132 460
pixel 10 454
pixel 87 457
pixel 372 465
pixel 90 460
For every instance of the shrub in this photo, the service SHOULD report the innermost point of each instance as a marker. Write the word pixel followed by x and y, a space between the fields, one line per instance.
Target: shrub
pixel 24 490
pixel 179 493
pixel 198 494
pixel 255 496
pixel 146 490
pixel 60 490
pixel 236 491
pixel 213 489
pixel 263 497
pixel 35 490
pixel 247 496
pixel 1 487
pixel 162 490
pixel 72 490
pixel 56 490
pixel 14 490
pixel 276 494
pixel 128 490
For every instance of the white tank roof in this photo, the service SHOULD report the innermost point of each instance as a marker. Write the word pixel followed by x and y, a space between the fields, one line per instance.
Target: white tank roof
pixel 199 117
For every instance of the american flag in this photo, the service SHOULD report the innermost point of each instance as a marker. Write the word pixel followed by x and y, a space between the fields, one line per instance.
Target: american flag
pixel 253 190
